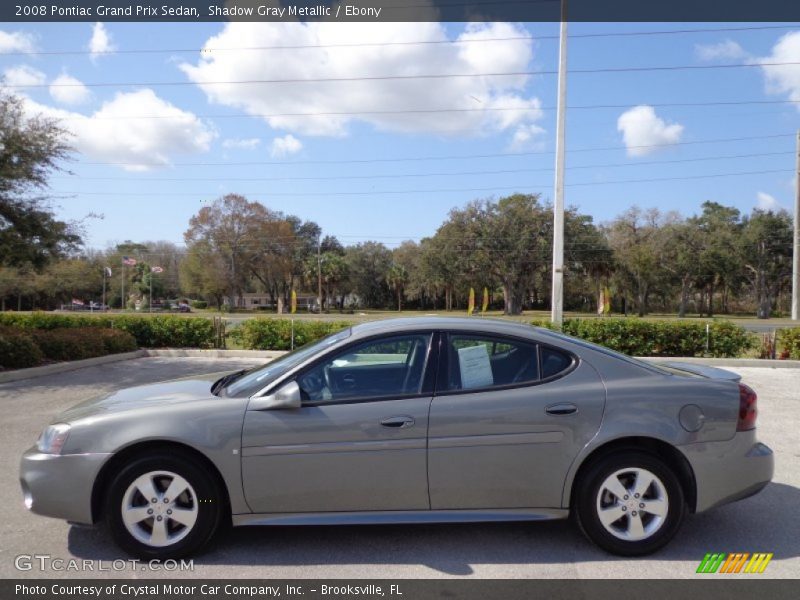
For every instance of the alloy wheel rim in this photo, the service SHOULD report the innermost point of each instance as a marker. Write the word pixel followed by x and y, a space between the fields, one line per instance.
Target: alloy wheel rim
pixel 159 508
pixel 632 504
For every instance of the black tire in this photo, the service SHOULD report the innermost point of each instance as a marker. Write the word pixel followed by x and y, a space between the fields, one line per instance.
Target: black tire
pixel 587 502
pixel 208 503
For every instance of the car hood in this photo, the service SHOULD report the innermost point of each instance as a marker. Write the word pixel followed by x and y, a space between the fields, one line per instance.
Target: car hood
pixel 194 389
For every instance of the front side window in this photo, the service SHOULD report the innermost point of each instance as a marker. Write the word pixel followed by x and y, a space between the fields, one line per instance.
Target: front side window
pixel 252 381
pixel 387 367
pixel 478 362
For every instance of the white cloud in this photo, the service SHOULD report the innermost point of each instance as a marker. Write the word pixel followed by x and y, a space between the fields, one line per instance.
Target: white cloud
pixel 526 137
pixel 16 41
pixel 727 49
pixel 373 96
pixel 22 75
pixel 643 131
pixel 109 136
pixel 767 202
pixel 241 143
pixel 284 146
pixel 784 79
pixel 101 42
pixel 68 90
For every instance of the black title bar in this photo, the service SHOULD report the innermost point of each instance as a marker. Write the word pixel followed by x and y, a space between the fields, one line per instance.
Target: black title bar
pixel 401 10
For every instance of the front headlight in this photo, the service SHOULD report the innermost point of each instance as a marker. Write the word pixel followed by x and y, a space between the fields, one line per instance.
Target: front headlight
pixel 53 438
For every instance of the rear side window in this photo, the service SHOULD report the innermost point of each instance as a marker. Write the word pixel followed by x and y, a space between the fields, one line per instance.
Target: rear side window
pixel 480 362
pixel 554 362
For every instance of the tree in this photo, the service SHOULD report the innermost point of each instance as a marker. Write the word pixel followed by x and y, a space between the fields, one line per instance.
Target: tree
pixel 638 239
pixel 718 263
pixel 228 229
pixel 408 257
pixel 204 272
pixel 680 258
pixel 397 277
pixel 766 247
pixel 368 263
pixel 440 263
pixel 30 150
pixel 506 239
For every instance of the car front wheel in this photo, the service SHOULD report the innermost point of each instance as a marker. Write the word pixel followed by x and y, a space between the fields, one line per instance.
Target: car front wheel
pixel 163 506
pixel 629 503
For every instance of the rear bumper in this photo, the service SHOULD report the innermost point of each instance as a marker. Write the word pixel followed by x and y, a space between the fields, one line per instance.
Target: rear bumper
pixel 60 486
pixel 731 470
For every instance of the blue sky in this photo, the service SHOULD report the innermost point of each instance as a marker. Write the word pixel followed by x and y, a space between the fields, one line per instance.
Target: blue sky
pixel 217 129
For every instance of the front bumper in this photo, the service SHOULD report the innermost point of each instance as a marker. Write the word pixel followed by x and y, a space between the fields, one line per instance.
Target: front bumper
pixel 60 486
pixel 731 470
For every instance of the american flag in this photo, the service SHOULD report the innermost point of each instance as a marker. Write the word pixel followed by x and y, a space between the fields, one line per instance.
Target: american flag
pixel 156 270
pixel 127 260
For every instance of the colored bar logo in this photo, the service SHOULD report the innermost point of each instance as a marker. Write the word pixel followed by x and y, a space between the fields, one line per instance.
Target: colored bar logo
pixel 737 562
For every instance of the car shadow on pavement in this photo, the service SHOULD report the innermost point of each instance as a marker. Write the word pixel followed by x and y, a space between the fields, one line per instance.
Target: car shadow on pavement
pixel 752 525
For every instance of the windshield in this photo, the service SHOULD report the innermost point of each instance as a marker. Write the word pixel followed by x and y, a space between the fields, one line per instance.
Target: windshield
pixel 254 380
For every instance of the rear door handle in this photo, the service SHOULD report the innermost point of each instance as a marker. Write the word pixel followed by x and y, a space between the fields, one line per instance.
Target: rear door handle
pixel 561 409
pixel 398 422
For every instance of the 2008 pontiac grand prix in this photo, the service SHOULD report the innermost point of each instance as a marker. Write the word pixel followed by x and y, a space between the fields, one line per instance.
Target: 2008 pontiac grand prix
pixel 407 421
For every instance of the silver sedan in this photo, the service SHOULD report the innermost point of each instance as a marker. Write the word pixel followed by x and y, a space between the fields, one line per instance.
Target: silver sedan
pixel 407 421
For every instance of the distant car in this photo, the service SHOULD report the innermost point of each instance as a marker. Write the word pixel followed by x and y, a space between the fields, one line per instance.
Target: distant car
pixel 184 308
pixel 407 421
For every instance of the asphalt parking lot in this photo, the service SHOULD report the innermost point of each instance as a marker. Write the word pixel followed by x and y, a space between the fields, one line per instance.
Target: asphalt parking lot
pixel 768 522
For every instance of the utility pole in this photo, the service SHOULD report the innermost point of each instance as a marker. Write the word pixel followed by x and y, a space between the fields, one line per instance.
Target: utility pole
pixel 796 245
pixel 319 272
pixel 557 301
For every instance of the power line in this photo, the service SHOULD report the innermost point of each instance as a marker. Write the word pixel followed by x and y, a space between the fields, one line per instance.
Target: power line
pixel 405 111
pixel 425 76
pixel 450 157
pixel 439 174
pixel 397 43
pixel 432 191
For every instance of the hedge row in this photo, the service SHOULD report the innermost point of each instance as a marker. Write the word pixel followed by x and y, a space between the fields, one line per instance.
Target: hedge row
pixel 21 348
pixel 789 340
pixel 637 337
pixel 159 331
pixel 276 334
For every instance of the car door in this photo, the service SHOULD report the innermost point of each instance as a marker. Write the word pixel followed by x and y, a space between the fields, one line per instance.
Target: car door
pixel 357 443
pixel 508 418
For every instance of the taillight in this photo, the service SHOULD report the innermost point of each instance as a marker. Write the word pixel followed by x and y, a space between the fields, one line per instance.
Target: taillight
pixel 747 408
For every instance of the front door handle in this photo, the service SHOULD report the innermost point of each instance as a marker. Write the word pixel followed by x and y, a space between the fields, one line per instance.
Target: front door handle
pixel 561 409
pixel 398 422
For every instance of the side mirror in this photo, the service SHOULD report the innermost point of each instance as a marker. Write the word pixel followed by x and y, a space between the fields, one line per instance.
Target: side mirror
pixel 287 396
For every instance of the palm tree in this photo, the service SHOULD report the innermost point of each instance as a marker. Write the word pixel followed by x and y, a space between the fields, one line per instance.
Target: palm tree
pixel 397 278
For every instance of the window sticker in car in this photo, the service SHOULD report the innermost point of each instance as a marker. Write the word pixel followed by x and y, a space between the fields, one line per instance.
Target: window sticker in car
pixel 476 370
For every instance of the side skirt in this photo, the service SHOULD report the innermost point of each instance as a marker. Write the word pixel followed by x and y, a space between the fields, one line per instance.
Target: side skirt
pixel 401 516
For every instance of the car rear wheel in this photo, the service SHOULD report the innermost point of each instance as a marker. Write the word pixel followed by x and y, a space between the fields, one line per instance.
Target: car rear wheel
pixel 629 503
pixel 163 506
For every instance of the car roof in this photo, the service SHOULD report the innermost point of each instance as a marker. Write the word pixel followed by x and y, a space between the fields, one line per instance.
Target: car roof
pixel 474 324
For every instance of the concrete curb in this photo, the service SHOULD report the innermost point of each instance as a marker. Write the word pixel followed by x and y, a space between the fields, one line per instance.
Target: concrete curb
pixel 32 372
pixel 20 374
pixel 729 362
pixel 195 353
